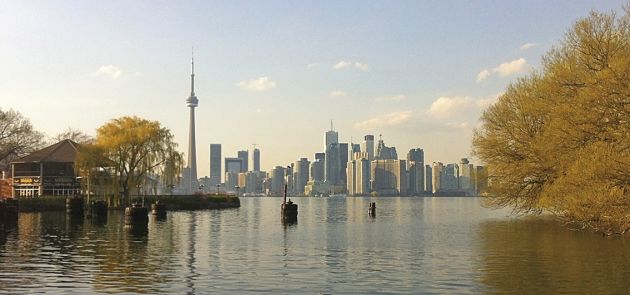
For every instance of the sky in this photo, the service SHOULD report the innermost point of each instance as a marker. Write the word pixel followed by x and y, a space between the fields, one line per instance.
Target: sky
pixel 275 73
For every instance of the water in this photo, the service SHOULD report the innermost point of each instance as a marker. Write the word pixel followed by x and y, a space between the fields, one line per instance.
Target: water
pixel 414 245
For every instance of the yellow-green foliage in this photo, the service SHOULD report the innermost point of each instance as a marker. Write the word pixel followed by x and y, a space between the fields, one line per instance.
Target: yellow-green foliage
pixel 559 139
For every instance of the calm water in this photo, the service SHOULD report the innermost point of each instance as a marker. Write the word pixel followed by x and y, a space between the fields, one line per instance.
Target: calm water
pixel 414 245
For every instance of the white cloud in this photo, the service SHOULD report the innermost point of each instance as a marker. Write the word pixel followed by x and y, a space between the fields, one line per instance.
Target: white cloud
pixel 109 71
pixel 448 106
pixel 505 69
pixel 387 120
pixel 312 65
pixel 528 45
pixel 338 93
pixel 390 98
pixel 483 75
pixel 361 66
pixel 260 84
pixel 342 64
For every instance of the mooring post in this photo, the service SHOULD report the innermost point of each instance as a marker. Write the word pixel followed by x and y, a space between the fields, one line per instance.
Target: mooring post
pixel 372 209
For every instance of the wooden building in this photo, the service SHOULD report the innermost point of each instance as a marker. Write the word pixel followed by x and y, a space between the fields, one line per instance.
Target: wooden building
pixel 47 172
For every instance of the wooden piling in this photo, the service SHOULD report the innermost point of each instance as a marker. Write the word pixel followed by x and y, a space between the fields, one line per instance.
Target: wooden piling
pixel 136 215
pixel 75 206
pixel 158 210
pixel 372 209
pixel 288 210
pixel 98 210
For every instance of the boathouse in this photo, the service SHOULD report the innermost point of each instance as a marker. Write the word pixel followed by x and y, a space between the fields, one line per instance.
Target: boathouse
pixel 47 172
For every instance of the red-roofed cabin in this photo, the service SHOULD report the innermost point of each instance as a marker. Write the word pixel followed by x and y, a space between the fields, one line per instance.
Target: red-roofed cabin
pixel 47 172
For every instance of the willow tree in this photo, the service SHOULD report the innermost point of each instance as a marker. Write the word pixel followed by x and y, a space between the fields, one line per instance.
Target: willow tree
pixel 135 148
pixel 559 139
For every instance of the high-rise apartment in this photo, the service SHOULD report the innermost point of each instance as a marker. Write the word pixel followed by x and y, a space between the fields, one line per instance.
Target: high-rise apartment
pixel 215 164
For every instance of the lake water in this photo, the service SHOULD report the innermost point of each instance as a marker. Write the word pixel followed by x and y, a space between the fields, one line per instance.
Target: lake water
pixel 413 245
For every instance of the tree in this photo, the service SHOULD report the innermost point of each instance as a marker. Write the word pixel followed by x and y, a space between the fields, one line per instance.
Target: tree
pixel 75 135
pixel 17 137
pixel 559 139
pixel 135 148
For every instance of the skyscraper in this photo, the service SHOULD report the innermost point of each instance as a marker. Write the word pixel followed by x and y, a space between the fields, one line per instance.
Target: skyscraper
pixel 244 156
pixel 343 161
pixel 215 164
pixel 384 152
pixel 368 146
pixel 256 159
pixel 333 161
pixel 301 175
pixel 415 168
pixel 190 172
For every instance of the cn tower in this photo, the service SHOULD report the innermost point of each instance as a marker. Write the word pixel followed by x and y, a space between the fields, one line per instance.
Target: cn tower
pixel 192 102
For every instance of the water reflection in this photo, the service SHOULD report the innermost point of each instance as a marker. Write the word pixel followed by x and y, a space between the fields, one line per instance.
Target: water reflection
pixel 540 256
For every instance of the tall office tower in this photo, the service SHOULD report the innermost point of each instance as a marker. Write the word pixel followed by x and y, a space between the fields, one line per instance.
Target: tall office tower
pixel 190 172
pixel 215 164
pixel 343 161
pixel 368 146
pixel 437 176
pixel 244 156
pixel 428 179
pixel 358 181
pixel 232 169
pixel 354 148
pixel 333 160
pixel 256 159
pixel 466 177
pixel 300 175
pixel 317 170
pixel 389 177
pixel 415 168
pixel 277 181
pixel 450 180
pixel 320 157
pixel 384 152
pixel 416 155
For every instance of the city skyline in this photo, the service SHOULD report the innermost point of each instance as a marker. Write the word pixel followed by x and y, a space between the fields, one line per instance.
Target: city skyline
pixel 419 75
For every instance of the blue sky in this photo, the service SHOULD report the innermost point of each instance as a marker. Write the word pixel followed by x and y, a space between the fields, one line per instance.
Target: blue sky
pixel 275 73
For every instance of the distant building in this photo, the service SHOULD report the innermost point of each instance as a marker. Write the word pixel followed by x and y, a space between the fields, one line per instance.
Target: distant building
pixel 466 177
pixel 415 169
pixel 256 158
pixel 428 179
pixel 277 181
pixel 384 152
pixel 234 165
pixel 244 156
pixel 368 146
pixel 343 161
pixel 436 178
pixel 358 182
pixel 301 175
pixel 389 177
pixel 333 158
pixel 215 164
pixel 317 170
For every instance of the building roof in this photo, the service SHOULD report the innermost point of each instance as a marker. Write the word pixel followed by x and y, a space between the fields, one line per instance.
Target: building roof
pixel 64 151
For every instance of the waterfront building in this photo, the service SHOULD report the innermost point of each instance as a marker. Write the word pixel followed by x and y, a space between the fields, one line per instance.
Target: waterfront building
pixel 415 170
pixel 49 171
pixel 301 175
pixel 388 177
pixel 368 146
pixel 231 181
pixel 234 165
pixel 450 179
pixel 428 179
pixel 343 161
pixel 332 159
pixel 244 156
pixel 317 170
pixel 254 182
pixel 358 182
pixel 466 177
pixel 277 181
pixel 384 152
pixel 436 178
pixel 215 164
pixel 189 181
pixel 256 159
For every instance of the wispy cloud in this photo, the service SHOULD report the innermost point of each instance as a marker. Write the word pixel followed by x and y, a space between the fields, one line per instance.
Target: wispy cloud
pixel 259 84
pixel 505 69
pixel 528 45
pixel 338 93
pixel 110 71
pixel 312 65
pixel 387 120
pixel 456 106
pixel 342 64
pixel 390 98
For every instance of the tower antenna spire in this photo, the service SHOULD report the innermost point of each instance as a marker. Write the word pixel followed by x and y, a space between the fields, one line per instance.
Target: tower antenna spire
pixel 192 72
pixel 331 126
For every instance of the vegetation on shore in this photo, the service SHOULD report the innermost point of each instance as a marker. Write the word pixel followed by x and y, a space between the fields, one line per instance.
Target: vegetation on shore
pixel 559 139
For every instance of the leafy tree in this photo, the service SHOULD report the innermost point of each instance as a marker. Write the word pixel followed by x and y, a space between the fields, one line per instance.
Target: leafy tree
pixel 17 137
pixel 559 139
pixel 134 148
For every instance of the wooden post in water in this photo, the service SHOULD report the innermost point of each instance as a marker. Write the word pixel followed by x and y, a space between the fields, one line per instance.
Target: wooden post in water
pixel 75 206
pixel 98 210
pixel 372 209
pixel 136 216
pixel 158 210
pixel 289 210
